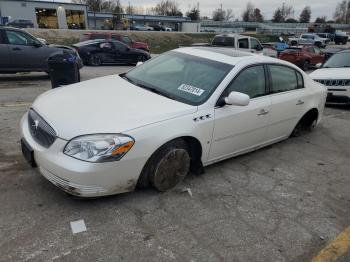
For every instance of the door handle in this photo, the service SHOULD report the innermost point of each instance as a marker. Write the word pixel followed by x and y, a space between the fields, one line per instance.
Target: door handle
pixel 263 112
pixel 16 49
pixel 300 102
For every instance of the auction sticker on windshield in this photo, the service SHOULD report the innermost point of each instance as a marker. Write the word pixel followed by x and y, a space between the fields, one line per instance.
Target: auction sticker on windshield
pixel 191 89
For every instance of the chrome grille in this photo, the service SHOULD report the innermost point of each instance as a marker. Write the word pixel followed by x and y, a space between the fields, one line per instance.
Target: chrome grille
pixel 334 82
pixel 40 130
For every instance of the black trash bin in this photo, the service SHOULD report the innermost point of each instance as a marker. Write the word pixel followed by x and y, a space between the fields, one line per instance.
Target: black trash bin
pixel 63 69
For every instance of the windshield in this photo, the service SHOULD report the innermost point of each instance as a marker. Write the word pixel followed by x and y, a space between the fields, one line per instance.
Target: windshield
pixel 224 41
pixel 338 60
pixel 181 77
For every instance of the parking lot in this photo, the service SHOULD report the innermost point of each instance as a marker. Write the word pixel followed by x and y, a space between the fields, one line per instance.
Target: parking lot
pixel 281 203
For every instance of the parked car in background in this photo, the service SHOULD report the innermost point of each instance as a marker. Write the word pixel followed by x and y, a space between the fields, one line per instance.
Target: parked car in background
pixel 335 75
pixel 115 36
pixel 185 109
pixel 237 42
pixel 101 51
pixel 269 50
pixel 328 36
pixel 340 38
pixel 22 52
pixel 21 23
pixel 309 39
pixel 303 56
pixel 142 28
pixel 328 52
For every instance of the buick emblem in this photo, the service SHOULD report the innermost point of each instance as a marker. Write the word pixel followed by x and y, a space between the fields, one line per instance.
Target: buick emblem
pixel 35 126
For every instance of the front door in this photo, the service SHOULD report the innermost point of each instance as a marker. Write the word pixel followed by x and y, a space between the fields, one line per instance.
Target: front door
pixel 4 53
pixel 242 128
pixel 26 52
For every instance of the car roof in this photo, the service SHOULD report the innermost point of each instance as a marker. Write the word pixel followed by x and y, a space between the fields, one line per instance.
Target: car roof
pixel 233 35
pixel 226 55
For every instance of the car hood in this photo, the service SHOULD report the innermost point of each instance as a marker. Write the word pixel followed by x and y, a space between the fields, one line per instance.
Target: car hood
pixel 331 73
pixel 105 105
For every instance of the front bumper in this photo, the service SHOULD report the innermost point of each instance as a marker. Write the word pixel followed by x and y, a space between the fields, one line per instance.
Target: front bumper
pixel 82 178
pixel 340 96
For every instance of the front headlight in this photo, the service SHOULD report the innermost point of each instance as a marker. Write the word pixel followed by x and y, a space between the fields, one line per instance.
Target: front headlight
pixel 99 148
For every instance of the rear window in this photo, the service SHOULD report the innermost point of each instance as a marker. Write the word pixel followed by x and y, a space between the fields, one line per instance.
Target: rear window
pixel 224 41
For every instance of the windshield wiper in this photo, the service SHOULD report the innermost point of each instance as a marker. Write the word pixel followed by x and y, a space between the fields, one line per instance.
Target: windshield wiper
pixel 152 89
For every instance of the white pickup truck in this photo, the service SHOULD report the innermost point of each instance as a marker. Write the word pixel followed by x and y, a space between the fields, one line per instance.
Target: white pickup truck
pixel 237 42
pixel 309 39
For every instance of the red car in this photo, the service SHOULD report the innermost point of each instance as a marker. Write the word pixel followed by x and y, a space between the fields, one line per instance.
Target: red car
pixel 115 36
pixel 304 56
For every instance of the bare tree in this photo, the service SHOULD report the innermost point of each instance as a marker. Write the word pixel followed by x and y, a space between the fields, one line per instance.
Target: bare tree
pixel 168 7
pixel 219 15
pixel 248 14
pixel 342 12
pixel 305 15
pixel 281 14
pixel 229 15
pixel 258 17
pixel 194 14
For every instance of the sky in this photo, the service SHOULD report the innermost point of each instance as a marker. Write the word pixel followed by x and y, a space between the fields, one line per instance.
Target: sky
pixel 206 7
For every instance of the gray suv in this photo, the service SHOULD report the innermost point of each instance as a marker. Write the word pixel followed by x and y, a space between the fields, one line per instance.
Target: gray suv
pixel 22 52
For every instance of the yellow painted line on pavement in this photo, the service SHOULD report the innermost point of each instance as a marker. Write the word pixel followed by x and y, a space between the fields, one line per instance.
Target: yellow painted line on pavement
pixel 335 249
pixel 15 104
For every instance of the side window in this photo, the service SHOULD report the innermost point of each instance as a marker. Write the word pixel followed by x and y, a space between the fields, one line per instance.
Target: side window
pixel 283 79
pixel 119 46
pixel 106 45
pixel 19 38
pixel 243 43
pixel 251 81
pixel 126 40
pixel 254 43
pixel 115 37
pixel 300 80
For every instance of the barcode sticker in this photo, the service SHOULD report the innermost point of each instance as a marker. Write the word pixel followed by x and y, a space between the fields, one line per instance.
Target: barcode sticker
pixel 191 89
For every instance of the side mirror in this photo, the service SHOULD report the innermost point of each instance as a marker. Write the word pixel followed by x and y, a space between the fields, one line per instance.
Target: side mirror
pixel 259 48
pixel 318 65
pixel 37 44
pixel 139 63
pixel 237 99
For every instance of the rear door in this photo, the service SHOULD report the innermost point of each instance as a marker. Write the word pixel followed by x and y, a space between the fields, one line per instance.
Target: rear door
pixel 4 53
pixel 288 97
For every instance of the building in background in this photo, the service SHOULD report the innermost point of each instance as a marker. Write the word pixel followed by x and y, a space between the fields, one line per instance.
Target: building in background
pixel 98 20
pixel 43 14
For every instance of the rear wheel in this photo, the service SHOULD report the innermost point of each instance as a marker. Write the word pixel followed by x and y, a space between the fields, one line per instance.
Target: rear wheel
pixel 95 60
pixel 141 58
pixel 306 124
pixel 305 66
pixel 167 167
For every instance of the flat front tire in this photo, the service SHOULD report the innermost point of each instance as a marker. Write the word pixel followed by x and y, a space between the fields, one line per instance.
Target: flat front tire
pixel 167 167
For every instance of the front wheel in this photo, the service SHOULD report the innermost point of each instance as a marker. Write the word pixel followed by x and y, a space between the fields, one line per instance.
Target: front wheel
pixel 141 58
pixel 167 167
pixel 305 66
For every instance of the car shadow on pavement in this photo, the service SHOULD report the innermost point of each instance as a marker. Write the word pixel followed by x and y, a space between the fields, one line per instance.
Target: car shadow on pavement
pixel 24 77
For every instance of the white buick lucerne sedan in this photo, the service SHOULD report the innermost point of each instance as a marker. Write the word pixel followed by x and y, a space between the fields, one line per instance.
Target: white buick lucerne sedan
pixel 172 115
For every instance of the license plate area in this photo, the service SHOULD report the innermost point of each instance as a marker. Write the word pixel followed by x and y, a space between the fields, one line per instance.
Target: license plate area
pixel 28 152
